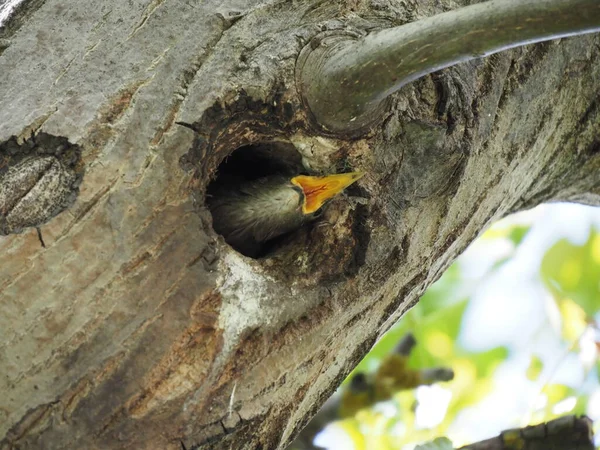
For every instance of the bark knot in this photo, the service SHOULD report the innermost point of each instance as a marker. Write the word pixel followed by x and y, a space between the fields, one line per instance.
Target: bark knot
pixel 39 178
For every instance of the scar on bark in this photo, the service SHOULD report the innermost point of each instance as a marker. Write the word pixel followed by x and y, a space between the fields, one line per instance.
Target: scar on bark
pixel 39 178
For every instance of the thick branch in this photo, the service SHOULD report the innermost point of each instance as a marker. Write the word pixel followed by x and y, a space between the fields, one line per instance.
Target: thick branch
pixel 564 433
pixel 343 82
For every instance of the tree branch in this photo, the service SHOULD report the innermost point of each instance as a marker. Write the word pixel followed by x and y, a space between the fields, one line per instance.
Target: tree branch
pixel 344 81
pixel 564 433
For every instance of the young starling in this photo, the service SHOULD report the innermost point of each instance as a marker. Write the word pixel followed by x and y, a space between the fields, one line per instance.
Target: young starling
pixel 250 213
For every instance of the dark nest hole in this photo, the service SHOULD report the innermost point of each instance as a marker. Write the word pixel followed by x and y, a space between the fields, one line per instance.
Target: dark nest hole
pixel 266 160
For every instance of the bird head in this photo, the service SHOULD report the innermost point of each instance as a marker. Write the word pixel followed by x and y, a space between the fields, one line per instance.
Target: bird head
pixel 249 214
pixel 318 190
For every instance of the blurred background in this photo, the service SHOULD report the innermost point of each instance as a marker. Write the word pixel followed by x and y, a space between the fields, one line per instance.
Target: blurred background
pixel 516 317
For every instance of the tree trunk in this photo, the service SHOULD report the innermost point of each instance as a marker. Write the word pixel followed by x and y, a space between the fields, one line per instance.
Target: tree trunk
pixel 126 322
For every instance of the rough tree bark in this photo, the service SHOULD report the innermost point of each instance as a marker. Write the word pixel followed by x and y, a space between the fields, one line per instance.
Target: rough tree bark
pixel 126 322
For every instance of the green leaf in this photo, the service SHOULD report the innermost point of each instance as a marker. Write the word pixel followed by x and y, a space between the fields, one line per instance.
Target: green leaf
pixel 572 271
pixel 535 368
pixel 517 233
pixel 487 362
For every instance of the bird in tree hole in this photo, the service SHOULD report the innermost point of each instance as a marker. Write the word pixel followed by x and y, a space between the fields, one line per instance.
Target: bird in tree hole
pixel 251 213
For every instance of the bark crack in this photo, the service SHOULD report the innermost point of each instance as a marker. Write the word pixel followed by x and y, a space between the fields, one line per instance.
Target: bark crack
pixel 86 208
pixel 90 49
pixel 65 70
pixel 181 91
pixel 148 11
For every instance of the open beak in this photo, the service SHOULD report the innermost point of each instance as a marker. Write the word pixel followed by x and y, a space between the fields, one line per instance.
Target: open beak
pixel 317 190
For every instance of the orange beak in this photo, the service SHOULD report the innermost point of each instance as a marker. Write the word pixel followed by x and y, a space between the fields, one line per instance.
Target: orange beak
pixel 317 190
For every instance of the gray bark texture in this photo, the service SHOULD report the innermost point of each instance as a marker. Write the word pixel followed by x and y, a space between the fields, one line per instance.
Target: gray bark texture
pixel 127 323
pixel 564 433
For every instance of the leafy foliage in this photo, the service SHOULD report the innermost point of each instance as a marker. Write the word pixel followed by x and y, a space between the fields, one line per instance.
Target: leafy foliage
pixel 571 272
pixel 544 367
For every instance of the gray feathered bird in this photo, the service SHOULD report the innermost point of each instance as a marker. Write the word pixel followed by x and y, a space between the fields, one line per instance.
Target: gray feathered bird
pixel 251 213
